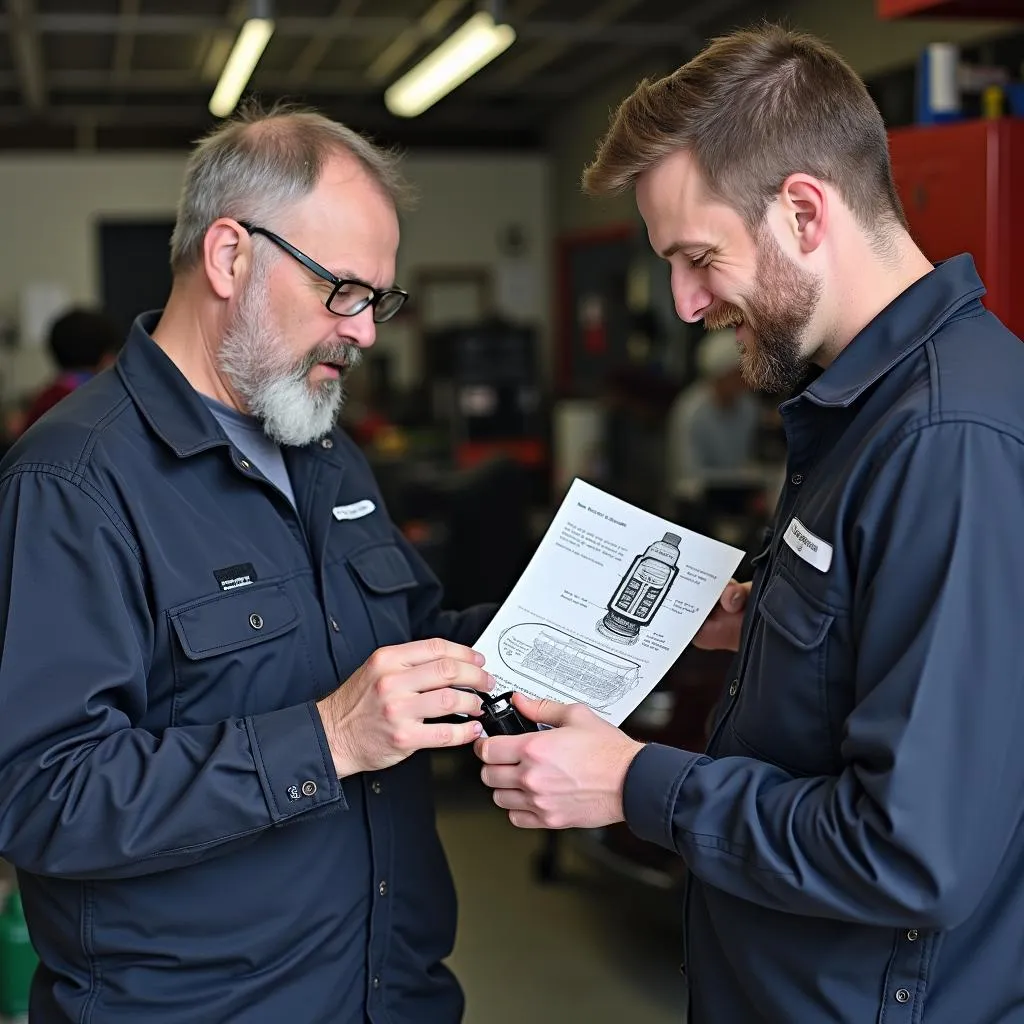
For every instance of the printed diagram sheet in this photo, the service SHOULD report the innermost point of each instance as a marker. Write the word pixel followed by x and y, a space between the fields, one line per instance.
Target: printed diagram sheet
pixel 607 604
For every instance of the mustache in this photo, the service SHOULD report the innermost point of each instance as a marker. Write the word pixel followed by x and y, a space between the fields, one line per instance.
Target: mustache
pixel 344 356
pixel 722 316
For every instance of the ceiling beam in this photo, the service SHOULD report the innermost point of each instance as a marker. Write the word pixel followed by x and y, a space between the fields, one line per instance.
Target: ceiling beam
pixel 365 116
pixel 562 34
pixel 368 27
pixel 124 49
pixel 698 19
pixel 214 46
pixel 516 68
pixel 600 26
pixel 407 42
pixel 314 51
pixel 323 83
pixel 27 52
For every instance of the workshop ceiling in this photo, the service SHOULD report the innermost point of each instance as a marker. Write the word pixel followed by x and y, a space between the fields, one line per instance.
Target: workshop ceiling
pixel 138 74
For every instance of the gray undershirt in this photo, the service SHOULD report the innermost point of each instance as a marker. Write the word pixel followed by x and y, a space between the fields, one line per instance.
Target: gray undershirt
pixel 246 433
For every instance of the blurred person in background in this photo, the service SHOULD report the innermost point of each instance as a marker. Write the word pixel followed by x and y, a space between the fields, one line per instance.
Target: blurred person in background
pixel 712 426
pixel 82 342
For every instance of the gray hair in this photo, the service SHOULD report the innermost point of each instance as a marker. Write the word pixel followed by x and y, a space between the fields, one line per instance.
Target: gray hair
pixel 256 163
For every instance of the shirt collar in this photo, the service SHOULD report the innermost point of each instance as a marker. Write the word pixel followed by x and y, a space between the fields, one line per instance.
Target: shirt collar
pixel 901 328
pixel 168 402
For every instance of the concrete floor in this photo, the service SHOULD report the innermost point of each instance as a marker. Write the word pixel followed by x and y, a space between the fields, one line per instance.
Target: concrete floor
pixel 580 949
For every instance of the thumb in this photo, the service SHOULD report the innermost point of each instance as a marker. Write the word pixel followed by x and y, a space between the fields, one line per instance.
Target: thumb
pixel 546 712
pixel 735 596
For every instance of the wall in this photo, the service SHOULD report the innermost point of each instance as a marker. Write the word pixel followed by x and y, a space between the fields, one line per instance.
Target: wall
pixel 870 45
pixel 53 203
pixel 465 202
pixel 572 142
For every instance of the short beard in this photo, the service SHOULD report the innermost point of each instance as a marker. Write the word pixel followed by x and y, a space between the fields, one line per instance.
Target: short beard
pixel 778 314
pixel 253 356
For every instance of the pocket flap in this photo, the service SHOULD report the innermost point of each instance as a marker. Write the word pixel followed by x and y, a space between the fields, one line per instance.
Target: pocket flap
pixel 227 622
pixel 383 569
pixel 788 612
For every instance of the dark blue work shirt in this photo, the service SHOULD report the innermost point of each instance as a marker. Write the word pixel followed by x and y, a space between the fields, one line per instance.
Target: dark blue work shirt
pixel 855 832
pixel 184 848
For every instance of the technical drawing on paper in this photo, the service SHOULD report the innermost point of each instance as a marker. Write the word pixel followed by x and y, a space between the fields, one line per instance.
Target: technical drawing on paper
pixel 575 668
pixel 641 591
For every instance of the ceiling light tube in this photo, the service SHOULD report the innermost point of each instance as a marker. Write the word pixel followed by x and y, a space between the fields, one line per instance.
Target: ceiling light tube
pixel 459 57
pixel 238 69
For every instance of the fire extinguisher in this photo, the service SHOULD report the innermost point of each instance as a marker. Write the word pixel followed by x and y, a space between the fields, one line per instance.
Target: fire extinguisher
pixel 18 961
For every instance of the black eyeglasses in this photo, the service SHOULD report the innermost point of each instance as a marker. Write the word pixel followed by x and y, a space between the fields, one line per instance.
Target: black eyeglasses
pixel 349 297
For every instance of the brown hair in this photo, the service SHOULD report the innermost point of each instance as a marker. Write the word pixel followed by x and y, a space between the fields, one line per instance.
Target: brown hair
pixel 753 108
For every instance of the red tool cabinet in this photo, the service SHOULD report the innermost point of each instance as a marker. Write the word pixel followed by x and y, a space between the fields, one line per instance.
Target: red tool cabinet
pixel 962 187
pixel 950 8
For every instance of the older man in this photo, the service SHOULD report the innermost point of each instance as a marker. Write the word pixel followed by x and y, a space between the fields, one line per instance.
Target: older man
pixel 206 826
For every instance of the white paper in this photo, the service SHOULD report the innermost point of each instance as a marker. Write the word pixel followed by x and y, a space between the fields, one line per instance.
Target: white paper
pixel 605 606
pixel 42 302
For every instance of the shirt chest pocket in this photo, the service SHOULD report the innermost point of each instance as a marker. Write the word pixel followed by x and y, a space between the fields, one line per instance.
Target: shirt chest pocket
pixel 385 581
pixel 239 653
pixel 782 714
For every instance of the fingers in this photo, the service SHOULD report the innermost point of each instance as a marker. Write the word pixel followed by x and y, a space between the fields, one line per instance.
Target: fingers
pixel 513 800
pixel 734 597
pixel 421 652
pixel 438 675
pixel 501 776
pixel 434 737
pixel 549 712
pixel 411 736
pixel 719 632
pixel 444 702
pixel 502 749
pixel 526 819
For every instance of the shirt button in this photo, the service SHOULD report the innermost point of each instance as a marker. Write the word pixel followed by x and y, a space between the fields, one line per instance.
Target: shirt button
pixel 376 787
pixel 383 888
pixel 326 443
pixel 376 981
pixel 245 463
pixel 912 935
pixel 309 788
pixel 734 688
pixel 334 624
pixel 797 479
pixel 902 995
pixel 256 620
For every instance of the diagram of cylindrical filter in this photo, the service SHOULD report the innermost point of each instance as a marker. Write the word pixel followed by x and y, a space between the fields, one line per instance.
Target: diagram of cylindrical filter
pixel 641 591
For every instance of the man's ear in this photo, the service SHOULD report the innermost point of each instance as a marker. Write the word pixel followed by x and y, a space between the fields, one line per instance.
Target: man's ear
pixel 805 211
pixel 227 254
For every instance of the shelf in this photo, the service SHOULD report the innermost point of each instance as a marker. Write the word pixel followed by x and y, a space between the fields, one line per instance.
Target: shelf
pixel 1002 9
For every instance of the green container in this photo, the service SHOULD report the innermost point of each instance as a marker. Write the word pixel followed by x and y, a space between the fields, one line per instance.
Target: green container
pixel 18 959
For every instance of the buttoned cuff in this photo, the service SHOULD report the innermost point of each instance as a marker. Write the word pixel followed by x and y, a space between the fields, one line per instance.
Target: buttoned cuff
pixel 293 761
pixel 651 790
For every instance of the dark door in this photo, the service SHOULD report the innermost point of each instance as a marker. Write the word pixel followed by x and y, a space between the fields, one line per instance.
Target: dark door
pixel 135 270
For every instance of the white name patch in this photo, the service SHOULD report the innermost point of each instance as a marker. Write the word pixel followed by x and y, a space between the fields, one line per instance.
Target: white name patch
pixel 811 549
pixel 356 511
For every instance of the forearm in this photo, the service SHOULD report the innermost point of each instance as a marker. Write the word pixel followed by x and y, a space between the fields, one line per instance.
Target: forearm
pixel 131 803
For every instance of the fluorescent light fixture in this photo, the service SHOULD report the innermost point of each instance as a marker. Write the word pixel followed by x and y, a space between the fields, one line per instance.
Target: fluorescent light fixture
pixel 238 69
pixel 459 57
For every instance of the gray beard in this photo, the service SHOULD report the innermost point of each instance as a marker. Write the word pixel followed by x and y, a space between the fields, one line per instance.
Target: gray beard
pixel 253 357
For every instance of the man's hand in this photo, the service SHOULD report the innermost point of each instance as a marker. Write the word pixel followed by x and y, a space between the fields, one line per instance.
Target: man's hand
pixel 567 777
pixel 721 629
pixel 375 718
